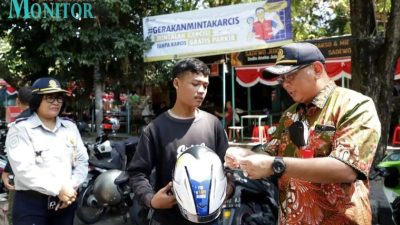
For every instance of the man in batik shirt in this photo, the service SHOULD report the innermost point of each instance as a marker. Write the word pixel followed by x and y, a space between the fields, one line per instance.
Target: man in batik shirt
pixel 323 147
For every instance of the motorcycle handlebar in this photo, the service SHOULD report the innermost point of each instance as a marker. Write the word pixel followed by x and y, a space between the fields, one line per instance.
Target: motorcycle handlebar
pixel 382 172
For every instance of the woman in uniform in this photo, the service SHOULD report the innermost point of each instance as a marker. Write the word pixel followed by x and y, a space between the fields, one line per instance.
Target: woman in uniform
pixel 48 158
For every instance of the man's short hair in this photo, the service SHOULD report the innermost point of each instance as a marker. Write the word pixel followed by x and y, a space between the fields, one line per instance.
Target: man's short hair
pixel 25 95
pixel 192 65
pixel 260 8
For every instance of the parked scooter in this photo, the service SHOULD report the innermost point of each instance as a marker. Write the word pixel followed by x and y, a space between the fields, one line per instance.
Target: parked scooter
pixel 3 155
pixel 3 163
pixel 389 170
pixel 110 124
pixel 254 202
pixel 107 186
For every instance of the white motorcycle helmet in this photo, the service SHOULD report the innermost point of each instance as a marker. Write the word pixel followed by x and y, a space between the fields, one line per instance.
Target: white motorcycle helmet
pixel 199 184
pixel 115 123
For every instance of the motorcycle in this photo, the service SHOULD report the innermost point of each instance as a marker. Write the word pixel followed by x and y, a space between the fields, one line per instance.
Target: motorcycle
pixel 254 202
pixel 101 148
pixel 3 155
pixel 389 170
pixel 3 163
pixel 107 186
pixel 110 124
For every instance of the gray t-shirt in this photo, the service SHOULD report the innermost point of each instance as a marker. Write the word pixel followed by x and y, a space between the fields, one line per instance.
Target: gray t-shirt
pixel 160 144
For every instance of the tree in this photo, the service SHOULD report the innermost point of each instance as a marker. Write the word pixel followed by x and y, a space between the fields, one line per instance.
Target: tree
pixel 66 48
pixel 113 43
pixel 316 19
pixel 110 46
pixel 374 25
pixel 374 57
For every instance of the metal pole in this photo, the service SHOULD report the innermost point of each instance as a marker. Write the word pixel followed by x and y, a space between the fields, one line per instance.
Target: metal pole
pixel 343 81
pixel 248 106
pixel 233 101
pixel 223 93
pixel 93 116
pixel 128 113
pixel 249 100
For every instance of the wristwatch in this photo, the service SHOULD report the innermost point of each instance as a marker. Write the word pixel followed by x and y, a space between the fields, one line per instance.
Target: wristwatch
pixel 278 166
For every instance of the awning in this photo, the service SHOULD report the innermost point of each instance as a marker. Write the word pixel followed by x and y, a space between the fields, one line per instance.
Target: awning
pixel 248 76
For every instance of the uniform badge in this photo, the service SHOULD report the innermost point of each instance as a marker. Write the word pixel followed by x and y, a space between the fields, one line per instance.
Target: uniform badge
pixel 38 157
pixel 14 141
pixel 280 55
pixel 53 84
pixel 72 143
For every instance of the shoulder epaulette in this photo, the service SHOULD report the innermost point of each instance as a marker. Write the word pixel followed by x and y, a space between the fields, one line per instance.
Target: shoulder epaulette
pixel 20 119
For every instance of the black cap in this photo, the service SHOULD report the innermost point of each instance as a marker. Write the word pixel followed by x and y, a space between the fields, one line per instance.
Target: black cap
pixel 46 85
pixel 292 56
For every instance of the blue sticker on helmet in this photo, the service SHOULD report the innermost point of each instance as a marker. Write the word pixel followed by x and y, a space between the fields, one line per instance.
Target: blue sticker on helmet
pixel 201 194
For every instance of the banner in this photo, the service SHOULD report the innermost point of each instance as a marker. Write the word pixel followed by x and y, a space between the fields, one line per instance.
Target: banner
pixel 336 47
pixel 218 30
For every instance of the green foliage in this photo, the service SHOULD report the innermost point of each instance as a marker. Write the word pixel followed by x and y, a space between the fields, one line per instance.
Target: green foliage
pixel 60 47
pixel 216 3
pixel 382 14
pixel 64 48
pixel 312 19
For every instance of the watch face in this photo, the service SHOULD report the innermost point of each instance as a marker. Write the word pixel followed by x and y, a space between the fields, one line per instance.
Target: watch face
pixel 278 167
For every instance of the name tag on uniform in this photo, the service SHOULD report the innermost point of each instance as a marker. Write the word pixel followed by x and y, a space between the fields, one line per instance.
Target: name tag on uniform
pixel 323 128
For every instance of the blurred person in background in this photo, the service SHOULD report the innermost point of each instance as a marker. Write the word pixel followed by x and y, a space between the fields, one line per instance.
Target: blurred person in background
pixel 23 97
pixel 228 115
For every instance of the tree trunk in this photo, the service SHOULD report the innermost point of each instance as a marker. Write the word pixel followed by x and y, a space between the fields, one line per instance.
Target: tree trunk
pixel 374 57
pixel 98 87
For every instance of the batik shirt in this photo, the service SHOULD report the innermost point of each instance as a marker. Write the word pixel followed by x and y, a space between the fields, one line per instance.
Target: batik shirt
pixel 338 123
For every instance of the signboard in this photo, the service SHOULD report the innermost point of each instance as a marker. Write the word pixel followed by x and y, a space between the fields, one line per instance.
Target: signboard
pixel 218 30
pixel 330 47
pixel 334 47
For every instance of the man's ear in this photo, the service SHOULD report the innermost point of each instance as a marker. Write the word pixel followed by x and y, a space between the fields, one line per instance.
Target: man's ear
pixel 318 68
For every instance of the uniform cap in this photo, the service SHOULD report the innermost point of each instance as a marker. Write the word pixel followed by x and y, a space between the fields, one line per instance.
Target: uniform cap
pixel 293 56
pixel 46 85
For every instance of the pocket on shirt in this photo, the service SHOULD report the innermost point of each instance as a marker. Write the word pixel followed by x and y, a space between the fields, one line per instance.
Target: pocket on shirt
pixel 43 156
pixel 324 135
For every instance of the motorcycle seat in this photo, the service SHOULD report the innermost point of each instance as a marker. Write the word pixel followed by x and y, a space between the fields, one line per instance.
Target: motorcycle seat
pixel 122 178
pixel 103 164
